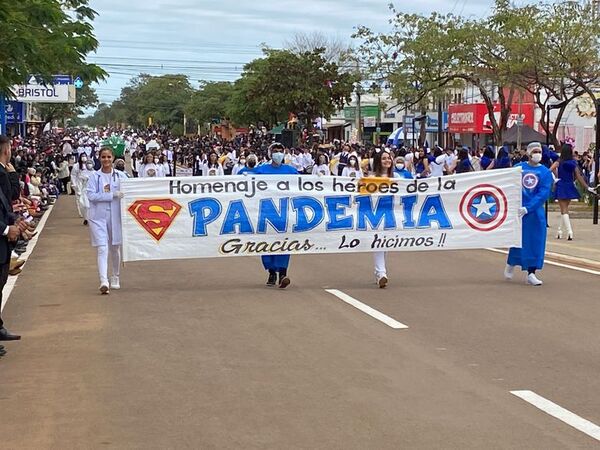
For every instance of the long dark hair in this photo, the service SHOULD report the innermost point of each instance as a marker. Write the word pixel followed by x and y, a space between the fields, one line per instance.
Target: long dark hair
pixel 378 169
pixel 566 152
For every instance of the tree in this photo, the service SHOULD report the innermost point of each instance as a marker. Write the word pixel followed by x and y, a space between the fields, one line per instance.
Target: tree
pixel 283 82
pixel 210 101
pixel 44 38
pixel 424 55
pixel 335 49
pixel 85 98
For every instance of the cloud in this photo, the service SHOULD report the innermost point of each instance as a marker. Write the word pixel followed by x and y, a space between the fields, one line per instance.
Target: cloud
pixel 230 31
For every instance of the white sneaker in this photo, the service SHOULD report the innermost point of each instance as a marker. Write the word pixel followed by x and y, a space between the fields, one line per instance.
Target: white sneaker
pixel 382 281
pixel 509 272
pixel 114 283
pixel 104 289
pixel 533 280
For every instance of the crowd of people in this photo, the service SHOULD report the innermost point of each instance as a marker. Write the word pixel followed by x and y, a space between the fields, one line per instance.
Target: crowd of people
pixel 35 170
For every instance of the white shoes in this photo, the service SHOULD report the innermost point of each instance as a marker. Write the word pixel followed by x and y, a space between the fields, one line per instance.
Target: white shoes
pixel 509 272
pixel 104 289
pixel 114 283
pixel 382 281
pixel 533 280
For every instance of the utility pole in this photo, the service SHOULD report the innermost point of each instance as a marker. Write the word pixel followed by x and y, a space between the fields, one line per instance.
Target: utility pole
pixel 440 125
pixel 184 124
pixel 597 160
pixel 358 116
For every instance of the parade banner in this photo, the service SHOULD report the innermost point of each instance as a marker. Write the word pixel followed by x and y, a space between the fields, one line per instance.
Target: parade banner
pixel 254 215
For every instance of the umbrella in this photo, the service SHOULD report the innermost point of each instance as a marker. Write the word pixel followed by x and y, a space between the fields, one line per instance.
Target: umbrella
pixel 528 135
pixel 117 144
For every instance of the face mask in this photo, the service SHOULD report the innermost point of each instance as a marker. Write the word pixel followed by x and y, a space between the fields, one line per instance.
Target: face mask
pixel 352 163
pixel 155 160
pixel 83 160
pixel 400 166
pixel 536 157
pixel 277 158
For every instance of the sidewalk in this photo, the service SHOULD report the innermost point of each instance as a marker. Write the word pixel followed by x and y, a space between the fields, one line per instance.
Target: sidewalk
pixel 584 249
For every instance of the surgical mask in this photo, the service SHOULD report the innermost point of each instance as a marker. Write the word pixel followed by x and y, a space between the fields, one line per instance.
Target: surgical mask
pixel 352 162
pixel 536 158
pixel 155 160
pixel 400 166
pixel 277 158
pixel 84 159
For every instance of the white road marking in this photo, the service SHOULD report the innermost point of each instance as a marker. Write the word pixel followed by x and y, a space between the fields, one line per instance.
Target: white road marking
pixel 367 309
pixel 12 281
pixel 579 423
pixel 552 263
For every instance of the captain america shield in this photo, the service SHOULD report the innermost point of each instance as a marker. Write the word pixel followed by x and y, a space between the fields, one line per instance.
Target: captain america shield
pixel 484 207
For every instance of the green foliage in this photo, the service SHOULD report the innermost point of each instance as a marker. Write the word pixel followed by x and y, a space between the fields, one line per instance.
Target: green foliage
pixel 44 38
pixel 210 101
pixel 284 82
pixel 85 98
pixel 549 47
pixel 160 97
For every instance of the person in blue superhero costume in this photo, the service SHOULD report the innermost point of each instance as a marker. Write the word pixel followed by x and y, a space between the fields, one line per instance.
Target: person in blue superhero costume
pixel 276 264
pixel 536 183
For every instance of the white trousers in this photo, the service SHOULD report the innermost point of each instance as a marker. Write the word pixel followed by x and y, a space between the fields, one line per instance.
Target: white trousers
pixel 379 258
pixel 79 211
pixel 106 253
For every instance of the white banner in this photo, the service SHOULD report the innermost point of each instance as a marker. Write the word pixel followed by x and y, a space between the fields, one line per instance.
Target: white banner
pixel 250 215
pixel 38 93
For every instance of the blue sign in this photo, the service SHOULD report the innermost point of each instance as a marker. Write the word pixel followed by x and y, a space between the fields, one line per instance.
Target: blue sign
pixel 63 79
pixel 15 112
pixel 78 83
pixel 57 79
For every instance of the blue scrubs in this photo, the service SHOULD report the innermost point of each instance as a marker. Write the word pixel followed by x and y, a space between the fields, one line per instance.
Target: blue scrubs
pixel 404 174
pixel 275 262
pixel 247 169
pixel 536 184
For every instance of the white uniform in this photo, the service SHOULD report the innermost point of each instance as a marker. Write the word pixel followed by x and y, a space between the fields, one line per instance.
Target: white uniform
pixel 104 219
pixel 79 179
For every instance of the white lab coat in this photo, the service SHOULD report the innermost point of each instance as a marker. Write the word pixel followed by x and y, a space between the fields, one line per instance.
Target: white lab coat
pixel 79 180
pixel 104 206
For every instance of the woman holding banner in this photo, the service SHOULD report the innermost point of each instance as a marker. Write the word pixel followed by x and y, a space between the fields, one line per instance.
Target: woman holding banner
pixel 536 182
pixel 382 168
pixel 276 264
pixel 104 216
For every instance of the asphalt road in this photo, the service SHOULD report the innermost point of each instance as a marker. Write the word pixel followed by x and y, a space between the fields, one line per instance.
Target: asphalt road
pixel 200 354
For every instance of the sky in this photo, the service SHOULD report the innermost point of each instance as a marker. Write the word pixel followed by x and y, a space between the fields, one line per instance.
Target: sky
pixel 212 40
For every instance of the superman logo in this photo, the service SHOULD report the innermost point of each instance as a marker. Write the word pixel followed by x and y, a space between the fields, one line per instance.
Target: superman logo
pixel 155 216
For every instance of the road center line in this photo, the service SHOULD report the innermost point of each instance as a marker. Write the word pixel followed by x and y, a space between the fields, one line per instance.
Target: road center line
pixel 579 423
pixel 552 263
pixel 367 309
pixel 12 281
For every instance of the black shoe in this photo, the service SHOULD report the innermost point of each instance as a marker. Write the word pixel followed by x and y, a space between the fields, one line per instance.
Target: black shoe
pixel 85 222
pixel 2 353
pixel 284 281
pixel 272 278
pixel 6 336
